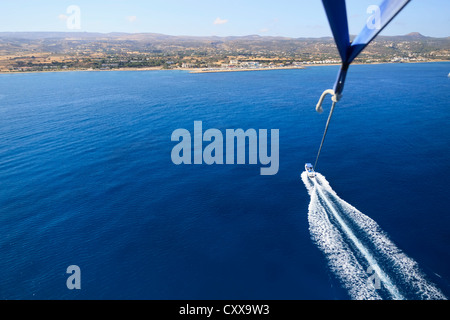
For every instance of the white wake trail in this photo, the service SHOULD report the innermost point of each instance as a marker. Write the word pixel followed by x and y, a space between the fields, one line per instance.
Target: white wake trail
pixel 354 244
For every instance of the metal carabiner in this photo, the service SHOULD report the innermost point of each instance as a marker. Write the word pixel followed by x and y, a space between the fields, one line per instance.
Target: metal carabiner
pixel 334 98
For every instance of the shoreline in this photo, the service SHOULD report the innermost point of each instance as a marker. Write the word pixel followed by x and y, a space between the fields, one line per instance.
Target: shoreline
pixel 240 69
pixel 199 70
pixel 86 70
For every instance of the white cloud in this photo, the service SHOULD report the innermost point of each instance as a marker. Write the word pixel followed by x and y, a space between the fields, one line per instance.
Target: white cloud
pixel 264 30
pixel 220 21
pixel 131 19
pixel 63 17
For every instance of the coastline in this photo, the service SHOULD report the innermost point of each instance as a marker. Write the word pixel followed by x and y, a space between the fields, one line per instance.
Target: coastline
pixel 86 70
pixel 196 70
pixel 199 70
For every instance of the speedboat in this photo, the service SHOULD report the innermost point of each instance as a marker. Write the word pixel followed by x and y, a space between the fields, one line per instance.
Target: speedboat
pixel 310 170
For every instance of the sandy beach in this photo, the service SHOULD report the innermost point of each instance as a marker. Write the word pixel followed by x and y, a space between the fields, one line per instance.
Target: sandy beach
pixel 206 70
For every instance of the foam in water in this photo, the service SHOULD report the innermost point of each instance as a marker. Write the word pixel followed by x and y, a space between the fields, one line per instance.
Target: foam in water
pixel 358 251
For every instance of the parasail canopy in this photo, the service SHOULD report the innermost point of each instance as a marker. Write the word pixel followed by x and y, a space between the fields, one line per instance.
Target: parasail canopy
pixel 337 17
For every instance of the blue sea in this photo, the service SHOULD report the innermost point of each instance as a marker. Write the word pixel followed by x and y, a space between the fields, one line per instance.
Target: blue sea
pixel 86 179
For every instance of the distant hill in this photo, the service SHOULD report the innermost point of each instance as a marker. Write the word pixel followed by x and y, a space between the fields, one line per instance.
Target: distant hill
pixel 162 40
pixel 416 35
pixel 163 37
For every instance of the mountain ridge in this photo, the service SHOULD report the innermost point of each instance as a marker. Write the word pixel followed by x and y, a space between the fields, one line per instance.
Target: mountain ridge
pixel 82 35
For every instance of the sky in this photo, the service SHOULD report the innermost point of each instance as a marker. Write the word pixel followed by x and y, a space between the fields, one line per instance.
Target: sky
pixel 288 18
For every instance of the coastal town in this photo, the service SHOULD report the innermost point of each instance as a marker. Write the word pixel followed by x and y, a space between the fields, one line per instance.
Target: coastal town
pixel 37 52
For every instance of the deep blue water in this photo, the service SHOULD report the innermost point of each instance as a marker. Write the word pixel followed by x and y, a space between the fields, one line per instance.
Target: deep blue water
pixel 87 179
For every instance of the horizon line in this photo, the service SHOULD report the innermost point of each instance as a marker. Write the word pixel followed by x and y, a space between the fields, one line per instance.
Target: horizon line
pixel 413 33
